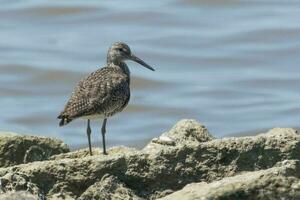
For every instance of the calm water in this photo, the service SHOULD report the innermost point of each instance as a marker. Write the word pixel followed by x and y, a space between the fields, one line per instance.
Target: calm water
pixel 233 65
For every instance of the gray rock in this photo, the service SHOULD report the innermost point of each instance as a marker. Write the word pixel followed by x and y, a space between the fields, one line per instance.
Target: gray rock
pixel 18 149
pixel 185 154
pixel 279 182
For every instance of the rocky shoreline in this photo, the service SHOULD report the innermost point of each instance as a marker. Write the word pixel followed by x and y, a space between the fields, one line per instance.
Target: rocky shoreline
pixel 186 162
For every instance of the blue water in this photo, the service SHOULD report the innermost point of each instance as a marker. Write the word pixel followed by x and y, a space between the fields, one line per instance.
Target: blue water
pixel 233 65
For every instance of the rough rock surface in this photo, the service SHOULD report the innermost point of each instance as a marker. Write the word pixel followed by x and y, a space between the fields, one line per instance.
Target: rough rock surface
pixel 109 187
pixel 17 149
pixel 186 154
pixel 19 195
pixel 279 182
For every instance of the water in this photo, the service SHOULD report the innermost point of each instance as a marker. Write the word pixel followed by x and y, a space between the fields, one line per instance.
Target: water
pixel 233 65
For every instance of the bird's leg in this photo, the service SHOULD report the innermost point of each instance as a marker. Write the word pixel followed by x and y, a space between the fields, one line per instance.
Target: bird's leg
pixel 103 131
pixel 88 132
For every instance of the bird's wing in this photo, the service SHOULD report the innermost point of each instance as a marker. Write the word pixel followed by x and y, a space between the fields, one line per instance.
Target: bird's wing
pixel 93 92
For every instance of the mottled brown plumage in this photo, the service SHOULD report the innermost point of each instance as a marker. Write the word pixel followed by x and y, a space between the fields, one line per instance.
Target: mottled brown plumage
pixel 104 92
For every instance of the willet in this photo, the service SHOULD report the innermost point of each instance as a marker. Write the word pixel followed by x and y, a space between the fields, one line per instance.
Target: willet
pixel 104 92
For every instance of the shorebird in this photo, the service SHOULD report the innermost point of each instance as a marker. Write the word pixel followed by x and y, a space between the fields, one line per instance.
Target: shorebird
pixel 103 93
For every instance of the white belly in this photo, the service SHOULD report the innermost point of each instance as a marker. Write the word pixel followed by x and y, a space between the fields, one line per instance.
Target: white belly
pixel 96 116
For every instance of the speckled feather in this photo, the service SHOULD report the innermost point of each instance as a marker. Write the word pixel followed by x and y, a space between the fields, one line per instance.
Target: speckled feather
pixel 102 93
pixel 105 91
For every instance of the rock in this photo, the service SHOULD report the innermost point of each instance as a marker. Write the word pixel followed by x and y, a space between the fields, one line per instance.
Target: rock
pixel 19 195
pixel 185 154
pixel 279 182
pixel 19 182
pixel 17 149
pixel 188 131
pixel 185 132
pixel 67 178
pixel 81 153
pixel 110 187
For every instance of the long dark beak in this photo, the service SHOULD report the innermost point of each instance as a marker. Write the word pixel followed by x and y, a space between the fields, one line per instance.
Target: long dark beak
pixel 140 61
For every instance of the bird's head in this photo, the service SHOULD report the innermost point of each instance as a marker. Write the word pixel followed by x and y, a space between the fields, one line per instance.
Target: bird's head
pixel 120 52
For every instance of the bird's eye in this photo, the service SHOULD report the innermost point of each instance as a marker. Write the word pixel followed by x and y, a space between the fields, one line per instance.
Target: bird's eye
pixel 120 49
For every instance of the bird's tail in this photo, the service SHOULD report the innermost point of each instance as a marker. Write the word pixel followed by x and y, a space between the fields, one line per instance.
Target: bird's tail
pixel 64 120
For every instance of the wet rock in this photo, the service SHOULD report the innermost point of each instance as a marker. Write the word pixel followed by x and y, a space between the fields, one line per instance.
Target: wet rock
pixel 185 154
pixel 279 182
pixel 17 149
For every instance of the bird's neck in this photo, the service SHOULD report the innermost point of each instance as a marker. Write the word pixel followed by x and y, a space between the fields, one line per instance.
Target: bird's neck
pixel 121 65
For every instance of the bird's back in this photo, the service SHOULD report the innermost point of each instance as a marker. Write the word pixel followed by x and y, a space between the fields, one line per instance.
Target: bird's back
pixel 102 93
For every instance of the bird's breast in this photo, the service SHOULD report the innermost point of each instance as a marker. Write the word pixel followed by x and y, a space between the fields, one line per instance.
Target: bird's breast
pixel 94 116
